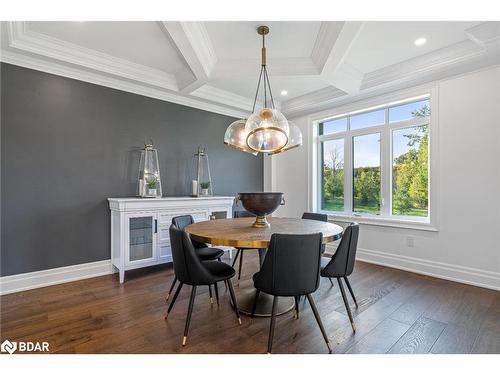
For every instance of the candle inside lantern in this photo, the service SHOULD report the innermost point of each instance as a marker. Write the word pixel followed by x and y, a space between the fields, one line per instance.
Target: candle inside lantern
pixel 194 188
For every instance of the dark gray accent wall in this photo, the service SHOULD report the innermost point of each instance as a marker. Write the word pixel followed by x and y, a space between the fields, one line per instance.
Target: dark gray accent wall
pixel 68 145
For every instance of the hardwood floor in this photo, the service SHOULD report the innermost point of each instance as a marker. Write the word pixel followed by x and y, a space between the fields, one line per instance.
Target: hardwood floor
pixel 399 312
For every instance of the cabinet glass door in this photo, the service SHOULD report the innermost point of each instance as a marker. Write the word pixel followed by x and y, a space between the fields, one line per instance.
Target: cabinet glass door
pixel 141 238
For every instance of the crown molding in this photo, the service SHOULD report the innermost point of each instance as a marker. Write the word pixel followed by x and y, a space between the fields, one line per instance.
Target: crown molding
pixel 23 39
pixel 192 87
pixel 316 99
pixel 222 96
pixel 60 69
pixel 330 103
pixel 460 58
pixel 442 59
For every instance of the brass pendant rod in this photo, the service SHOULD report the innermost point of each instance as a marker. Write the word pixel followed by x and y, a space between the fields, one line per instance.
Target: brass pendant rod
pixel 263 50
pixel 264 66
pixel 263 30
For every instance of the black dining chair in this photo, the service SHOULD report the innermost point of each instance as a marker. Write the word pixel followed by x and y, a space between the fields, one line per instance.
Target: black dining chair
pixel 202 250
pixel 318 217
pixel 315 216
pixel 341 265
pixel 239 250
pixel 290 269
pixel 190 270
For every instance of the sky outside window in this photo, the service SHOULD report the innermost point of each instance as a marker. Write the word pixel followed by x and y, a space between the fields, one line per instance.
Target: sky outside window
pixel 405 111
pixel 364 120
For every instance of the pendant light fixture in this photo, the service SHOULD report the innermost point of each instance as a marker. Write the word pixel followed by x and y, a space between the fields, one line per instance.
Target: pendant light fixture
pixel 236 137
pixel 266 130
pixel 294 139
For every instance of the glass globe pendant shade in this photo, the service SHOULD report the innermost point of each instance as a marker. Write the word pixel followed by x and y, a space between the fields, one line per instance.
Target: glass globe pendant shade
pixel 294 139
pixel 267 131
pixel 236 137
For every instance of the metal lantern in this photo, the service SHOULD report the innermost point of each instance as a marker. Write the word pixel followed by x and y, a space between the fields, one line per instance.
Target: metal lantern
pixel 149 173
pixel 202 186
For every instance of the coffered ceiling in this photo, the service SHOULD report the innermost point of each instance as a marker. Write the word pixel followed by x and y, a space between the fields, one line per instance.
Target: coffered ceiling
pixel 215 65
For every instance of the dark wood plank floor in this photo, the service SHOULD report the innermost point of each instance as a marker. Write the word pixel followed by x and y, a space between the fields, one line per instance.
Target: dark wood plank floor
pixel 399 312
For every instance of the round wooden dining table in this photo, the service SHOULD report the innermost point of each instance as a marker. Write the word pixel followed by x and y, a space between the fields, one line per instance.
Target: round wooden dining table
pixel 240 233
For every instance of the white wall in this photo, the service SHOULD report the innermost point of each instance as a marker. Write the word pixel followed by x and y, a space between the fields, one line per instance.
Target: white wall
pixel 466 247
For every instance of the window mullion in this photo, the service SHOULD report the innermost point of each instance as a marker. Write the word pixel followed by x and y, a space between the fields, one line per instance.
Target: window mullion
pixel 385 171
pixel 319 176
pixel 348 174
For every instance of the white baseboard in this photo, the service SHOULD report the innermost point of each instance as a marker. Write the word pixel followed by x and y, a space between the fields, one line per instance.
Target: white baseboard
pixel 466 275
pixel 461 274
pixel 38 279
pixel 60 275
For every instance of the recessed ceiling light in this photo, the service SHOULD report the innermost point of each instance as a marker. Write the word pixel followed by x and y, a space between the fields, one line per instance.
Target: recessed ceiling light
pixel 284 92
pixel 420 41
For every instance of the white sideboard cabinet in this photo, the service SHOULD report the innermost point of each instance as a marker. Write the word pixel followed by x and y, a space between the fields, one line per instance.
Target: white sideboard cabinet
pixel 139 226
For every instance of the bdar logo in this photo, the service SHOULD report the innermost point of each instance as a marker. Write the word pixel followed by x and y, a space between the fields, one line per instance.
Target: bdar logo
pixel 24 346
pixel 8 346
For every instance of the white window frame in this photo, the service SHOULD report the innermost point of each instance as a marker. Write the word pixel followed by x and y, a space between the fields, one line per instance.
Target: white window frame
pixel 385 218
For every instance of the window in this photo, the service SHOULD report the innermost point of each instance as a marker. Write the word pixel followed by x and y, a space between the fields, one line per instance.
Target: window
pixel 410 172
pixel 375 162
pixel 367 119
pixel 366 173
pixel 334 126
pixel 333 175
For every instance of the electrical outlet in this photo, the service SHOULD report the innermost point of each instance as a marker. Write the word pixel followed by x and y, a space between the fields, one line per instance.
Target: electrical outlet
pixel 410 241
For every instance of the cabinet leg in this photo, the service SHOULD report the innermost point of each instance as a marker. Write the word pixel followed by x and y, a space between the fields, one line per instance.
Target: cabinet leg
pixel 122 276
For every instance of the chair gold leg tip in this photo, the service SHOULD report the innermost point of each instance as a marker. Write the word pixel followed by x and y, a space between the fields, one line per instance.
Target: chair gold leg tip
pixel 239 321
pixel 211 300
pixel 184 339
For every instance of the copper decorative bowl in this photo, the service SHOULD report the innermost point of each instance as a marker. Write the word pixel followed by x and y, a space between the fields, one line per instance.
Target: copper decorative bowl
pixel 261 205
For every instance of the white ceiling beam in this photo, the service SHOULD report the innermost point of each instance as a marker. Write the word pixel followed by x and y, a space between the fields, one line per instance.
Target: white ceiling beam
pixel 486 34
pixel 330 52
pixel 194 45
